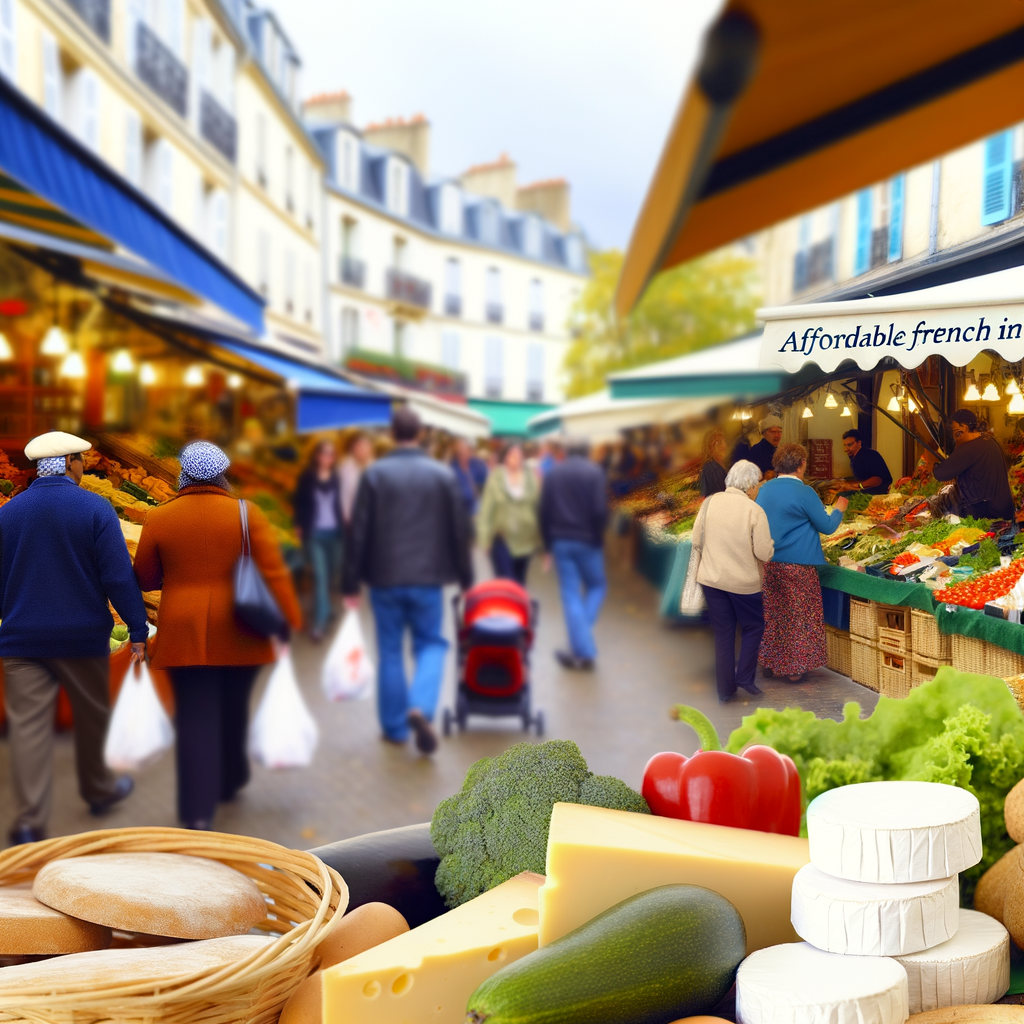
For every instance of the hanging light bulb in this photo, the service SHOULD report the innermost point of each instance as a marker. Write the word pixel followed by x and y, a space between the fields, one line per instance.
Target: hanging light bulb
pixel 123 362
pixel 972 394
pixel 991 393
pixel 1016 405
pixel 1012 388
pixel 147 374
pixel 746 414
pixel 911 405
pixel 846 412
pixel 55 342
pixel 894 404
pixel 234 381
pixel 6 352
pixel 735 415
pixel 194 376
pixel 830 401
pixel 72 366
pixel 807 414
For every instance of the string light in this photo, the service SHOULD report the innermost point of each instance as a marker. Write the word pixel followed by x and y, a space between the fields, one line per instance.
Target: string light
pixel 147 374
pixel 194 376
pixel 846 412
pixel 123 362
pixel 55 342
pixel 830 401
pixel 72 366
pixel 1016 405
pixel 991 393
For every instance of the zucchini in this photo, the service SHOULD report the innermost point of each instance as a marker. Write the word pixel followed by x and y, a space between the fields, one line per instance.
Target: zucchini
pixel 138 493
pixel 663 954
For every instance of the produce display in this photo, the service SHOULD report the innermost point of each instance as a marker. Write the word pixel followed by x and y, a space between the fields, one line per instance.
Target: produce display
pixel 668 506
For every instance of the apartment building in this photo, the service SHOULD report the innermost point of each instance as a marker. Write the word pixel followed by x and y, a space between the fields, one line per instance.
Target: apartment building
pixel 473 273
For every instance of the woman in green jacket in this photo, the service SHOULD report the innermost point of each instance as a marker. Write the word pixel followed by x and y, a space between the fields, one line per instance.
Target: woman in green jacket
pixel 507 524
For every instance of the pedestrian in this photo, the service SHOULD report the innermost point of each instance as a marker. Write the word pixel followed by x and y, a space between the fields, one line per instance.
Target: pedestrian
pixel 188 549
pixel 470 472
pixel 410 537
pixel 63 557
pixel 732 539
pixel 712 467
pixel 358 455
pixel 508 526
pixel 794 621
pixel 573 516
pixel 319 523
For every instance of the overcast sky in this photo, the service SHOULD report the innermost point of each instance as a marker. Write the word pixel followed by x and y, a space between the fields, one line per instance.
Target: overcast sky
pixel 582 89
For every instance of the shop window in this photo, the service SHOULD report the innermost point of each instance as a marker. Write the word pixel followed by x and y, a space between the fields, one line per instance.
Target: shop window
pixel 996 178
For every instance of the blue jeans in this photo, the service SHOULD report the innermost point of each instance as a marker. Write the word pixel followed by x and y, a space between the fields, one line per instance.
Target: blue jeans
pixel 583 585
pixel 323 550
pixel 419 609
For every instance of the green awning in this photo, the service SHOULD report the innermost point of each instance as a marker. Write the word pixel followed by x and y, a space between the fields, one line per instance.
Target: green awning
pixel 509 418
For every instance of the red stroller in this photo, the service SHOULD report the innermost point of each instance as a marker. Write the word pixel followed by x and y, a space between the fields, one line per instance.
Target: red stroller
pixel 495 635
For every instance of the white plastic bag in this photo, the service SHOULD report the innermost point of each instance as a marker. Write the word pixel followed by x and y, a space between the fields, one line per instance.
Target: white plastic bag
pixel 140 730
pixel 283 733
pixel 348 671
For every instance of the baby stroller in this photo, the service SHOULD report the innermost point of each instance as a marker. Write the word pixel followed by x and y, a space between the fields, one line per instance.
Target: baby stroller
pixel 495 635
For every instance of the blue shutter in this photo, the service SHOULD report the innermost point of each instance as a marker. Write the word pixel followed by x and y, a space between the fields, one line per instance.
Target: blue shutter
pixel 862 254
pixel 897 188
pixel 995 185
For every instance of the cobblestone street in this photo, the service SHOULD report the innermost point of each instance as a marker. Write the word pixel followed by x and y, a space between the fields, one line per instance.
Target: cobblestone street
pixel 617 715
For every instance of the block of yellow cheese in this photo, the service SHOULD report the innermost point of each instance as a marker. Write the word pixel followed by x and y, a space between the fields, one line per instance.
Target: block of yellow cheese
pixel 598 857
pixel 429 973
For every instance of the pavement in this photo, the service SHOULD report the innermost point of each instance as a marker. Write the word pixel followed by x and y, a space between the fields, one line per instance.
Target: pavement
pixel 617 714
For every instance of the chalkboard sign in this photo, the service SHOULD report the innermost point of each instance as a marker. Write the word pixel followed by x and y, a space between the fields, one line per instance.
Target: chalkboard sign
pixel 819 458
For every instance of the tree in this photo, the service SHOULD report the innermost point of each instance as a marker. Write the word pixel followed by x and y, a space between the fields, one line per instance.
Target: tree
pixel 687 308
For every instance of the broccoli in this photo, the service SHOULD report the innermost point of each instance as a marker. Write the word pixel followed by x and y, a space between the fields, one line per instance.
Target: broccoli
pixel 497 825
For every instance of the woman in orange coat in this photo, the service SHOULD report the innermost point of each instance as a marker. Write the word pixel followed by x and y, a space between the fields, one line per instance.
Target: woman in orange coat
pixel 189 548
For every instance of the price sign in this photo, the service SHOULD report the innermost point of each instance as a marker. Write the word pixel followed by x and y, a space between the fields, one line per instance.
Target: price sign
pixel 819 458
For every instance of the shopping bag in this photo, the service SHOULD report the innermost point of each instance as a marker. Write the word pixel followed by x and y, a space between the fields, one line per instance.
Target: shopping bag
pixel 283 733
pixel 348 671
pixel 140 730
pixel 692 601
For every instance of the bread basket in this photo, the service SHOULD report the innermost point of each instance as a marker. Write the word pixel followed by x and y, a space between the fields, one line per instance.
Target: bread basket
pixel 305 898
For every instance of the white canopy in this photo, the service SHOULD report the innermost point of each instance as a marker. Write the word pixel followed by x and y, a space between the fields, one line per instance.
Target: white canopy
pixel 454 417
pixel 957 321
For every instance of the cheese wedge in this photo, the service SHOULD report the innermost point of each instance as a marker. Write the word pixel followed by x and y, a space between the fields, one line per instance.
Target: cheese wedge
pixel 971 967
pixel 429 973
pixel 598 857
pixel 868 919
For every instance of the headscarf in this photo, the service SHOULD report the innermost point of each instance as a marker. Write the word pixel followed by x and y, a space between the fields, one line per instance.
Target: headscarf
pixel 769 421
pixel 57 466
pixel 202 463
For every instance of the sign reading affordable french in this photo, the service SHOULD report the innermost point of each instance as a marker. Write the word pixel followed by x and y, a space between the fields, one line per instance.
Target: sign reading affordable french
pixel 952 321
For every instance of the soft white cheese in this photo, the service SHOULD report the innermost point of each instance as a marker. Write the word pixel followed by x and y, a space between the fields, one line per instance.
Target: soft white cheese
pixel 798 984
pixel 868 919
pixel 972 967
pixel 894 831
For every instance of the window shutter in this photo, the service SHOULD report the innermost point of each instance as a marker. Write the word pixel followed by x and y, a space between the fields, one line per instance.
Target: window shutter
pixel 8 48
pixel 897 189
pixel 165 172
pixel 89 107
pixel 862 254
pixel 51 77
pixel 199 79
pixel 995 187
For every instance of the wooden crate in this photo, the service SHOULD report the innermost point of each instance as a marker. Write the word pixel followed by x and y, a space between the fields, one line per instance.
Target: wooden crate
pixel 863 619
pixel 893 674
pixel 838 644
pixel 928 641
pixel 864 662
pixel 923 669
pixel 968 654
pixel 894 625
pixel 1002 663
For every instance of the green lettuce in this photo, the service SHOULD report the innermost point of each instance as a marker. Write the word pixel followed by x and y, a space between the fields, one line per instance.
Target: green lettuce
pixel 960 729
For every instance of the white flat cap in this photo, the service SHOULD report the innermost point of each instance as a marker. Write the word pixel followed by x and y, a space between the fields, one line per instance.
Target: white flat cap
pixel 54 444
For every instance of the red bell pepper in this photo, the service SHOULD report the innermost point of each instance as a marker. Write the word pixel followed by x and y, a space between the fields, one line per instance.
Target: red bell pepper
pixel 758 789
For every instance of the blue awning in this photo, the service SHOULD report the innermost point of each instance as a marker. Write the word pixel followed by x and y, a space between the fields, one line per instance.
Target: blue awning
pixel 92 202
pixel 323 401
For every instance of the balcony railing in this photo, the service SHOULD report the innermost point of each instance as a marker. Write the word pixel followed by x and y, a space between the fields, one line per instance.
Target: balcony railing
pixel 352 272
pixel 536 321
pixel 158 67
pixel 453 305
pixel 405 288
pixel 813 266
pixel 495 312
pixel 96 14
pixel 218 127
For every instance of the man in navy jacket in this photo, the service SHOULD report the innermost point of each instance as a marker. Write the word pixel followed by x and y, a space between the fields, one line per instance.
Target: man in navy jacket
pixel 62 558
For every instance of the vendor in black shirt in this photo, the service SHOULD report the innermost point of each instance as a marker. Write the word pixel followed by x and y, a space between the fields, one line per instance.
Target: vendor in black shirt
pixel 870 473
pixel 978 466
pixel 762 453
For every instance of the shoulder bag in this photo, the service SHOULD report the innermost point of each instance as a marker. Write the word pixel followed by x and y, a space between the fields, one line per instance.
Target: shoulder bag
pixel 692 602
pixel 255 606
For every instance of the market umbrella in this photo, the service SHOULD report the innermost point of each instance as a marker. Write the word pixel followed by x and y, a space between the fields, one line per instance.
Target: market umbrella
pixel 798 102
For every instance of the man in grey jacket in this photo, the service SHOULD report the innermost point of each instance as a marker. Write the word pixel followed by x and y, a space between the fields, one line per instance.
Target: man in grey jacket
pixel 409 537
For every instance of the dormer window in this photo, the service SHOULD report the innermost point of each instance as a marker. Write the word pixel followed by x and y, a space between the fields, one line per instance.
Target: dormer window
pixel 574 252
pixel 451 210
pixel 532 238
pixel 397 187
pixel 488 223
pixel 347 162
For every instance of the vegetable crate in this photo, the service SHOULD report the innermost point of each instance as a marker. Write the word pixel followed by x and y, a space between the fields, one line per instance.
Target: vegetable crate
pixel 928 641
pixel 839 656
pixel 894 624
pixel 894 674
pixel 969 654
pixel 923 669
pixel 863 619
pixel 864 662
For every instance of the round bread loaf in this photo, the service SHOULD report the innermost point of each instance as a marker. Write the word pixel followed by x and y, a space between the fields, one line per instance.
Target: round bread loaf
pixel 305 1005
pixel 990 895
pixel 29 928
pixel 105 967
pixel 156 893
pixel 360 929
pixel 1013 904
pixel 1013 812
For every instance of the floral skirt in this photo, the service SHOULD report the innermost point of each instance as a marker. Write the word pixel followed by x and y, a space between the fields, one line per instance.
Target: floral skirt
pixel 794 621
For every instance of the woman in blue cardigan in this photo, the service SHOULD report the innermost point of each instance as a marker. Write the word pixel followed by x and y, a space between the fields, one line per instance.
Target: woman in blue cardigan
pixel 794 621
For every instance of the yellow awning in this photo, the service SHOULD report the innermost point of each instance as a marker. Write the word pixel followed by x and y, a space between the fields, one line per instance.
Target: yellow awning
pixel 798 102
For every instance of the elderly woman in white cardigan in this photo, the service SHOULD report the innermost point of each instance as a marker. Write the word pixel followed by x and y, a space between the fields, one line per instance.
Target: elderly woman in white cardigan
pixel 732 536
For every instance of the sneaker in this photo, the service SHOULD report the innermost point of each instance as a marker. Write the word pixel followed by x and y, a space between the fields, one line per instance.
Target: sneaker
pixel 569 660
pixel 426 738
pixel 123 786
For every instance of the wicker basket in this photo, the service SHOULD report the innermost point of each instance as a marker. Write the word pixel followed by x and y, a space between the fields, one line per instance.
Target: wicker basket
pixel 922 669
pixel 928 641
pixel 838 644
pixel 894 623
pixel 863 619
pixel 1002 663
pixel 893 674
pixel 1015 684
pixel 968 654
pixel 305 897
pixel 864 662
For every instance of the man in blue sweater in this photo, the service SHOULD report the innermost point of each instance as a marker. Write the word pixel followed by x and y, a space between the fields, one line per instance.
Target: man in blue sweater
pixel 62 558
